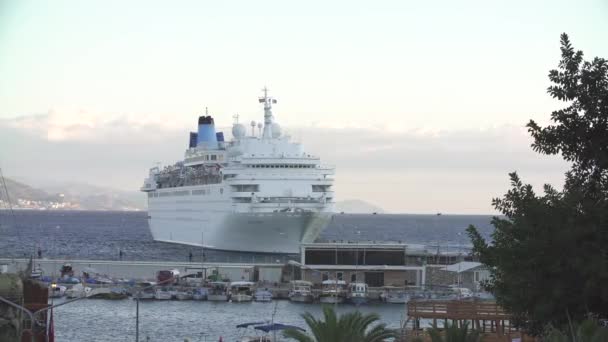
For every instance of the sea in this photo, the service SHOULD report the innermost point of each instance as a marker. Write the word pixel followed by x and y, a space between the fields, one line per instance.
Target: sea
pixel 102 235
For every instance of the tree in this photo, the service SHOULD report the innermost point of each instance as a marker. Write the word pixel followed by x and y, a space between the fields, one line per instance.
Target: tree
pixel 588 331
pixel 350 327
pixel 549 253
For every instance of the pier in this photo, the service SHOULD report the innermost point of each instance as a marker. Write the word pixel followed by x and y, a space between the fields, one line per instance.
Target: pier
pixel 487 317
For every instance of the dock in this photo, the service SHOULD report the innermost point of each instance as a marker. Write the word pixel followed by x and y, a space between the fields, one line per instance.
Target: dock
pixel 484 316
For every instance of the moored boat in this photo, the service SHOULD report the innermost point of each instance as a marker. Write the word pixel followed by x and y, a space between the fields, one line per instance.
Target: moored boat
pixel 162 293
pixel 200 293
pixel 78 291
pixel 333 292
pixel 301 291
pixel 183 295
pixel 57 291
pixel 241 291
pixel 262 295
pixel 218 291
pixel 394 295
pixel 357 293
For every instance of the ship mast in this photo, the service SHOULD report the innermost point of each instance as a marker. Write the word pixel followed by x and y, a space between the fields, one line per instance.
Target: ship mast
pixel 267 101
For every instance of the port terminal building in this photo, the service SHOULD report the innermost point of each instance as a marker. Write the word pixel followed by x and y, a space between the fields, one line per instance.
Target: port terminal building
pixel 376 263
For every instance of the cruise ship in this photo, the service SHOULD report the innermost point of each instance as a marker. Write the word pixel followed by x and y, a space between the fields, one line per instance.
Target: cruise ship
pixel 259 192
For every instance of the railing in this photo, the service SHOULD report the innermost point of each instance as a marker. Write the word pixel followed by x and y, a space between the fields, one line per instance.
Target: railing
pixel 456 310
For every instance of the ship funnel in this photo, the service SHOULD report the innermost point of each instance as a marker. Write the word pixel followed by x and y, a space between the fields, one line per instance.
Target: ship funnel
pixel 206 133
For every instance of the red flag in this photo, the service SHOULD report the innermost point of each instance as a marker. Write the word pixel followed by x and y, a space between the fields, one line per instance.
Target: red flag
pixel 51 328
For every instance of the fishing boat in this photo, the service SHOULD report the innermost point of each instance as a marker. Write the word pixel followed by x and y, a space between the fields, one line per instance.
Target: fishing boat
pixel 57 291
pixel 108 293
pixel 333 292
pixel 301 291
pixel 162 293
pixel 78 291
pixel 183 295
pixel 144 290
pixel 241 291
pixel 262 295
pixel 357 293
pixel 394 295
pixel 264 328
pixel 218 291
pixel 200 293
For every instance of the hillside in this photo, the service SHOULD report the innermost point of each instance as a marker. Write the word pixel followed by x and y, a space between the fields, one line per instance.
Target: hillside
pixel 67 196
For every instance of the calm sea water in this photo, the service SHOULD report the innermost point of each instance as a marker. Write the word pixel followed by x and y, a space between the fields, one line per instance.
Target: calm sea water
pixel 100 235
pixel 102 320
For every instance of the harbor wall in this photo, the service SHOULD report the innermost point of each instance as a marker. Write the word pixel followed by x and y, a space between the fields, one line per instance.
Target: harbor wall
pixel 147 269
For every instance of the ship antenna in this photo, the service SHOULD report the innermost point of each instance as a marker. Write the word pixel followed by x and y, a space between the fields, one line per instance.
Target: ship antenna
pixel 236 118
pixel 267 101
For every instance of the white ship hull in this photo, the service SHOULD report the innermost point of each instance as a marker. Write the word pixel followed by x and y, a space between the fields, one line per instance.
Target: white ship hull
pixel 205 223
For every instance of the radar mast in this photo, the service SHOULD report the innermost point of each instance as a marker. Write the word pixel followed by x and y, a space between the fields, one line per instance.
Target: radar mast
pixel 267 101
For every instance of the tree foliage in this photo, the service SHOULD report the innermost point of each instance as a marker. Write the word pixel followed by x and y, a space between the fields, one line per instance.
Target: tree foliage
pixel 549 254
pixel 588 331
pixel 350 327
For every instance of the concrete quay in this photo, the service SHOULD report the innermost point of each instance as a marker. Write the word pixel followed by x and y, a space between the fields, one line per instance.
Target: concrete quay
pixel 146 270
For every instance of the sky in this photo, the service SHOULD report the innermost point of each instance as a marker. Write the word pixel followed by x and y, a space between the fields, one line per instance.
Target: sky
pixel 421 105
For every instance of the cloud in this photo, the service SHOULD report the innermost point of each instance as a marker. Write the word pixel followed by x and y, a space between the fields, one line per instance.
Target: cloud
pixel 85 126
pixel 414 170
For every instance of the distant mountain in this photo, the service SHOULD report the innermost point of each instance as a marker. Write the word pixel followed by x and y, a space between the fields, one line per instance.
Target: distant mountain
pixel 69 196
pixel 17 190
pixel 357 207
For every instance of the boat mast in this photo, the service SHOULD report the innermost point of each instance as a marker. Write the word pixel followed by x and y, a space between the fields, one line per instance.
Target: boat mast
pixel 267 101
pixel 8 199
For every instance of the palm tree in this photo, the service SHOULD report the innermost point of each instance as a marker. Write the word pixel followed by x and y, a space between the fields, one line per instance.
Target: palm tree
pixel 454 333
pixel 350 327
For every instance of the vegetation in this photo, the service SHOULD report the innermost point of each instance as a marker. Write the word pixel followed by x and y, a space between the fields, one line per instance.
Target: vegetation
pixel 454 333
pixel 350 327
pixel 587 331
pixel 549 254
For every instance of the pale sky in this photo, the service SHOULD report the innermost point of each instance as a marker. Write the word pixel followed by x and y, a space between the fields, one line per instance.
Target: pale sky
pixel 437 91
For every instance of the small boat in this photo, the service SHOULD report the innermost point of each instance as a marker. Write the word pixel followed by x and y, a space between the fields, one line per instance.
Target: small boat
pixel 67 271
pixel 394 295
pixel 78 291
pixel 162 293
pixel 333 292
pixel 183 295
pixel 218 291
pixel 36 273
pixel 108 293
pixel 200 293
pixel 262 295
pixel 301 291
pixel 57 291
pixel 357 293
pixel 266 328
pixel 143 289
pixel 241 291
pixel 146 294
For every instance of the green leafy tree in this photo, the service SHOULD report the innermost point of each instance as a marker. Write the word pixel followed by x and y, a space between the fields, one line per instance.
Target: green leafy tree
pixel 549 253
pixel 587 331
pixel 350 327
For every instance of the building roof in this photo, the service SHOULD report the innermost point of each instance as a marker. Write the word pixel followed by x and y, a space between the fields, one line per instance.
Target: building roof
pixel 463 266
